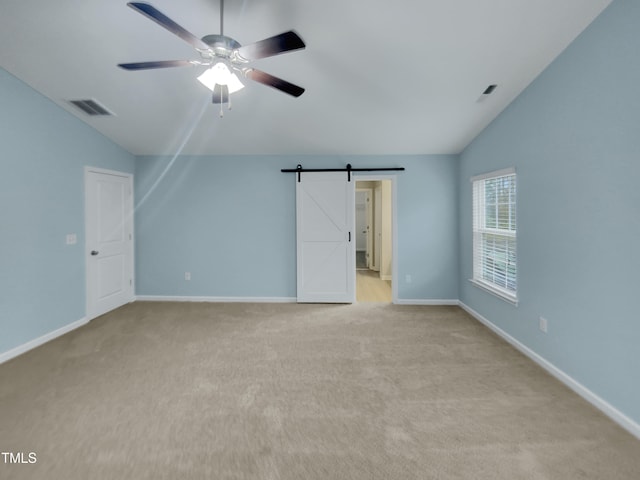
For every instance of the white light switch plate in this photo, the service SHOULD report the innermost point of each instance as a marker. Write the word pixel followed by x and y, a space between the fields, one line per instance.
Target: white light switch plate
pixel 72 239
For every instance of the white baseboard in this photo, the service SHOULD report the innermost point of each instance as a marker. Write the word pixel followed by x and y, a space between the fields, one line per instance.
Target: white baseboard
pixel 25 347
pixel 605 407
pixel 168 298
pixel 420 301
pixel 186 298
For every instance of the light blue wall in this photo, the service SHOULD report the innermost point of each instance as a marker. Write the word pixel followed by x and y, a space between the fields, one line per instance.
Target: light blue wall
pixel 230 221
pixel 574 138
pixel 43 151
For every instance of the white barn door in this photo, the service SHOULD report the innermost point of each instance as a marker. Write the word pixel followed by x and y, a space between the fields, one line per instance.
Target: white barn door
pixel 325 237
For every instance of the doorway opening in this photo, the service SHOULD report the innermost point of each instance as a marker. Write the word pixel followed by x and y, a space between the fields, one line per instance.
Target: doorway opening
pixel 375 236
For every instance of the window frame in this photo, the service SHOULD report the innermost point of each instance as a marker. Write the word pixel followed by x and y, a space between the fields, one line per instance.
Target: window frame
pixel 480 229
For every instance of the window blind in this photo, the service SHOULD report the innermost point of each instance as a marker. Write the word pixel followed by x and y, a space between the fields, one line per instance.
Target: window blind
pixel 494 233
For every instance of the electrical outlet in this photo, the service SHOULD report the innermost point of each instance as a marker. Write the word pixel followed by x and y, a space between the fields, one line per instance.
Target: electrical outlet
pixel 407 278
pixel 187 275
pixel 543 324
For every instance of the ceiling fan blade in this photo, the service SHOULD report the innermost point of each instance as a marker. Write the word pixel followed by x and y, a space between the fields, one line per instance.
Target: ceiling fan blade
pixel 285 42
pixel 150 65
pixel 274 82
pixel 161 19
pixel 220 94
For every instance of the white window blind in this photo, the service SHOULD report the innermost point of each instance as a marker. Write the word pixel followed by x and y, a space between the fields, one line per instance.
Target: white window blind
pixel 494 233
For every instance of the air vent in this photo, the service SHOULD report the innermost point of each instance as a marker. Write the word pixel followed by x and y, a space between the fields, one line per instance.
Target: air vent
pixel 489 90
pixel 91 107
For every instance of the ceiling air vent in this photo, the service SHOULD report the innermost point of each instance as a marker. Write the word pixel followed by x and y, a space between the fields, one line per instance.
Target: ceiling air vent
pixel 90 107
pixel 487 91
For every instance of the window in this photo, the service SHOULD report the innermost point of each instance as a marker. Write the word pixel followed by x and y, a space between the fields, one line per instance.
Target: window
pixel 494 233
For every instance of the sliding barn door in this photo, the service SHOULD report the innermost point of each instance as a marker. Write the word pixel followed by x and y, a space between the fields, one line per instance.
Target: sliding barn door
pixel 325 237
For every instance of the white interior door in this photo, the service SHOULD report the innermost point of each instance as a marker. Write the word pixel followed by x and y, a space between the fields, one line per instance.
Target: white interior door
pixel 369 230
pixel 109 240
pixel 325 238
pixel 377 227
pixel 361 220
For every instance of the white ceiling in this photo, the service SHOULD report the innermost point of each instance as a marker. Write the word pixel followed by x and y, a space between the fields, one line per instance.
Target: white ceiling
pixel 381 77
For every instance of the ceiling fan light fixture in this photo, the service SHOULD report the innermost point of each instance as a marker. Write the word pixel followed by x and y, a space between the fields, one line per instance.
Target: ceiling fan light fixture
pixel 220 74
pixel 223 56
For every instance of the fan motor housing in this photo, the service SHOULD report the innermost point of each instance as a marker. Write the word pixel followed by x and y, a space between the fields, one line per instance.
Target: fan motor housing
pixel 221 41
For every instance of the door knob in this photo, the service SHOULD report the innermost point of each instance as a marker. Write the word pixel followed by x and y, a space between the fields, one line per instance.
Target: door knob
pixel 94 252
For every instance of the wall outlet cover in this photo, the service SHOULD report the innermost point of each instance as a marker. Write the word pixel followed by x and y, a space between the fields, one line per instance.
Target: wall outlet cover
pixel 543 324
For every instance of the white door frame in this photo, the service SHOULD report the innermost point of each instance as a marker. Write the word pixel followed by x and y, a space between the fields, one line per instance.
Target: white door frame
pixel 394 226
pixel 90 313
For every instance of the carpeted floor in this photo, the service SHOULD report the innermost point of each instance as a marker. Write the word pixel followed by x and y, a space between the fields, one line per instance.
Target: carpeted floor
pixel 286 391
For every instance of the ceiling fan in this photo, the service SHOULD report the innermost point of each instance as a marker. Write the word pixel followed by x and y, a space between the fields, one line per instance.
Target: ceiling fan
pixel 224 56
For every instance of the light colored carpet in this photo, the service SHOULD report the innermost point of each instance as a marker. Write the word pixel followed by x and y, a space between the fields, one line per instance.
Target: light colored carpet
pixel 265 391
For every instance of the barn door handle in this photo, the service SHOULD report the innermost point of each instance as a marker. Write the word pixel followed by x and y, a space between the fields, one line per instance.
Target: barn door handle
pixel 94 252
pixel 349 236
